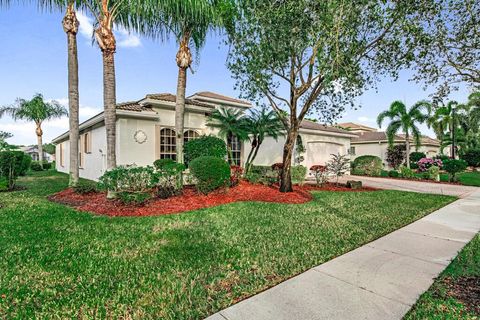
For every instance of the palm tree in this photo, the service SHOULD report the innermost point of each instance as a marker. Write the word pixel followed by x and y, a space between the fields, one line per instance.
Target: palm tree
pixel 406 120
pixel 443 121
pixel 261 123
pixel 37 111
pixel 189 21
pixel 231 124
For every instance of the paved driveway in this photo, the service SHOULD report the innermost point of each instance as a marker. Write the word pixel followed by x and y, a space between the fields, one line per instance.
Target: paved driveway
pixel 414 186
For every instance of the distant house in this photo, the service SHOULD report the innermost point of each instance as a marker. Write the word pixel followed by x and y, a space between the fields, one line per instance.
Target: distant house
pixel 369 141
pixel 146 132
pixel 32 151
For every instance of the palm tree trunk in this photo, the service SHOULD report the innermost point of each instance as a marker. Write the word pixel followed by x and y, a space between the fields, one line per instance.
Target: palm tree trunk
pixel 254 155
pixel 109 98
pixel 286 177
pixel 180 112
pixel 252 149
pixel 39 133
pixel 70 26
pixel 407 145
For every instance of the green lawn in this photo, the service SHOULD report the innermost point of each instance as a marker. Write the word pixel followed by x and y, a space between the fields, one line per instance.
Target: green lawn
pixel 465 178
pixel 59 263
pixel 436 303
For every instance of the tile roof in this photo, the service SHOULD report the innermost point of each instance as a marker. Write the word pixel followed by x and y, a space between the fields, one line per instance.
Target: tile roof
pixel 310 125
pixel 351 125
pixel 373 136
pixel 132 106
pixel 173 98
pixel 426 140
pixel 217 96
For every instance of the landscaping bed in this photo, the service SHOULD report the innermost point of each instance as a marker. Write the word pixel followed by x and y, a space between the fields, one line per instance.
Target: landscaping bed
pixel 190 199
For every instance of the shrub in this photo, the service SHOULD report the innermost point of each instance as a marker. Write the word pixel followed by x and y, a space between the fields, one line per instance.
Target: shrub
pixel 134 198
pixel 441 157
pixel 84 187
pixel 129 179
pixel 406 172
pixel 235 175
pixel 25 165
pixel 253 177
pixel 47 165
pixel 367 165
pixel 433 173
pixel 453 166
pixel 425 163
pixel 262 170
pixel 298 173
pixel 205 146
pixel 338 165
pixel 3 184
pixel 210 172
pixel 35 166
pixel 393 173
pixel 320 173
pixel 472 157
pixel 396 155
pixel 169 177
pixel 12 164
pixel 415 157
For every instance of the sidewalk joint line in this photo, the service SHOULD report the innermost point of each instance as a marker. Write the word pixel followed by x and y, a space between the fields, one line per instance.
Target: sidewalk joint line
pixel 408 256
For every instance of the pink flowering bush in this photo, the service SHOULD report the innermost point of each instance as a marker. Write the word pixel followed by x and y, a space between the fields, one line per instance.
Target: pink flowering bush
pixel 425 163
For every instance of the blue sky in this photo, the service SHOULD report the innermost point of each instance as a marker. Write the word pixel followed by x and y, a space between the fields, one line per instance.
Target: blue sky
pixel 33 59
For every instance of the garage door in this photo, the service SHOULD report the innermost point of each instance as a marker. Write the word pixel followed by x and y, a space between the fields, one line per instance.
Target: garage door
pixel 320 152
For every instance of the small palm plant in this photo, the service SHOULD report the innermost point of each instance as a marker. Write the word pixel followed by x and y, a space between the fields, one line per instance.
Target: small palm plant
pixel 261 124
pixel 231 123
pixel 406 120
pixel 37 111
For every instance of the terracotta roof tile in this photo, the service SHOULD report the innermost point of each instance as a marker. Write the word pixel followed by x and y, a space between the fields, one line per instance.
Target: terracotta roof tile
pixel 310 125
pixel 214 95
pixel 173 98
pixel 132 106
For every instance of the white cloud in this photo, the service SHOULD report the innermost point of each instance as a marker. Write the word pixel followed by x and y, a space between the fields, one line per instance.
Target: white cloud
pixel 127 39
pixel 86 25
pixel 365 119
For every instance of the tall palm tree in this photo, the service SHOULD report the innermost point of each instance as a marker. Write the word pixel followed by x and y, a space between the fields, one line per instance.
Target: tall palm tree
pixel 189 21
pixel 37 111
pixel 443 122
pixel 405 120
pixel 231 124
pixel 261 124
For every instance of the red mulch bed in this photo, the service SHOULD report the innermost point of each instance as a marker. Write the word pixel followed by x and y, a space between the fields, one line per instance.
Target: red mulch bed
pixel 191 200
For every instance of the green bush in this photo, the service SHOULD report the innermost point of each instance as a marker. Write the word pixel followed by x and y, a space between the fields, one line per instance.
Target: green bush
pixel 161 163
pixel 393 173
pixel 415 157
pixel 3 184
pixel 432 173
pixel 367 165
pixel 453 166
pixel 472 157
pixel 47 165
pixel 169 178
pixel 12 164
pixel 253 177
pixel 205 146
pixel 298 173
pixel 210 172
pixel 35 166
pixel 85 187
pixel 129 179
pixel 134 198
pixel 25 165
pixel 406 172
pixel 262 170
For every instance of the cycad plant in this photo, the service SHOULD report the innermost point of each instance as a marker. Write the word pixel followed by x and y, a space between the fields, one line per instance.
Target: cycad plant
pixel 36 110
pixel 406 120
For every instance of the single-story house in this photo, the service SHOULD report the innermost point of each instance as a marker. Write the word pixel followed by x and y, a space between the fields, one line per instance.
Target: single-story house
pixel 32 151
pixel 369 141
pixel 146 131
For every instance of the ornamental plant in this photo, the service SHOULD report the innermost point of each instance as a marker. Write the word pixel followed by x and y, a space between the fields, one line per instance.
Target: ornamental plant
pixel 453 167
pixel 235 175
pixel 205 146
pixel 426 163
pixel 396 155
pixel 12 164
pixel 298 174
pixel 320 173
pixel 472 157
pixel 210 172
pixel 130 179
pixel 338 165
pixel 367 165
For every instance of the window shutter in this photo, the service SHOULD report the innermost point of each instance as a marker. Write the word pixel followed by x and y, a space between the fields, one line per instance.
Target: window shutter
pixel 157 141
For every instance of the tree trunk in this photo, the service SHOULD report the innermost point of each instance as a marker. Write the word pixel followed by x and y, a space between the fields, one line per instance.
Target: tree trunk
pixel 286 177
pixel 70 26
pixel 39 133
pixel 252 149
pixel 180 112
pixel 407 145
pixel 254 154
pixel 109 101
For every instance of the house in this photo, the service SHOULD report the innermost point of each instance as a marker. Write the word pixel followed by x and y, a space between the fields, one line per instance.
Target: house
pixel 145 131
pixel 32 151
pixel 369 141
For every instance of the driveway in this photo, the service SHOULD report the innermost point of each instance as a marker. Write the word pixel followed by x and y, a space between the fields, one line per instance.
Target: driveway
pixel 414 186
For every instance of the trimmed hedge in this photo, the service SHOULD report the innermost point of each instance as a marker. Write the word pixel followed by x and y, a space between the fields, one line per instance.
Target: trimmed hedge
pixel 210 172
pixel 12 165
pixel 367 165
pixel 205 146
pixel 472 157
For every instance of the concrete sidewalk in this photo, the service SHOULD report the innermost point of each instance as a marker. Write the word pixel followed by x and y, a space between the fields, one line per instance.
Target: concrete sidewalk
pixel 380 280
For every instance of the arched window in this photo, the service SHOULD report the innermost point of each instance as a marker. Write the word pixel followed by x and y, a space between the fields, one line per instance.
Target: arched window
pixel 235 150
pixel 168 148
pixel 189 135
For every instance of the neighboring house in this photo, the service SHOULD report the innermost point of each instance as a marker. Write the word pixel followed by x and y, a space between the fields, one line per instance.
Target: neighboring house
pixel 146 131
pixel 369 141
pixel 32 151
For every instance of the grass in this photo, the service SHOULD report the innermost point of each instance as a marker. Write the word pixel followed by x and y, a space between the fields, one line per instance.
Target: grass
pixel 436 303
pixel 465 178
pixel 60 263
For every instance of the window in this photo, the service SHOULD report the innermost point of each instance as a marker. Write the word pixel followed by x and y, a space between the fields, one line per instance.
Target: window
pixel 235 150
pixel 189 135
pixel 87 142
pixel 352 151
pixel 168 144
pixel 62 155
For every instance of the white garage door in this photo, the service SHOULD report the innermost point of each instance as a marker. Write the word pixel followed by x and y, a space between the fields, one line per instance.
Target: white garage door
pixel 320 152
